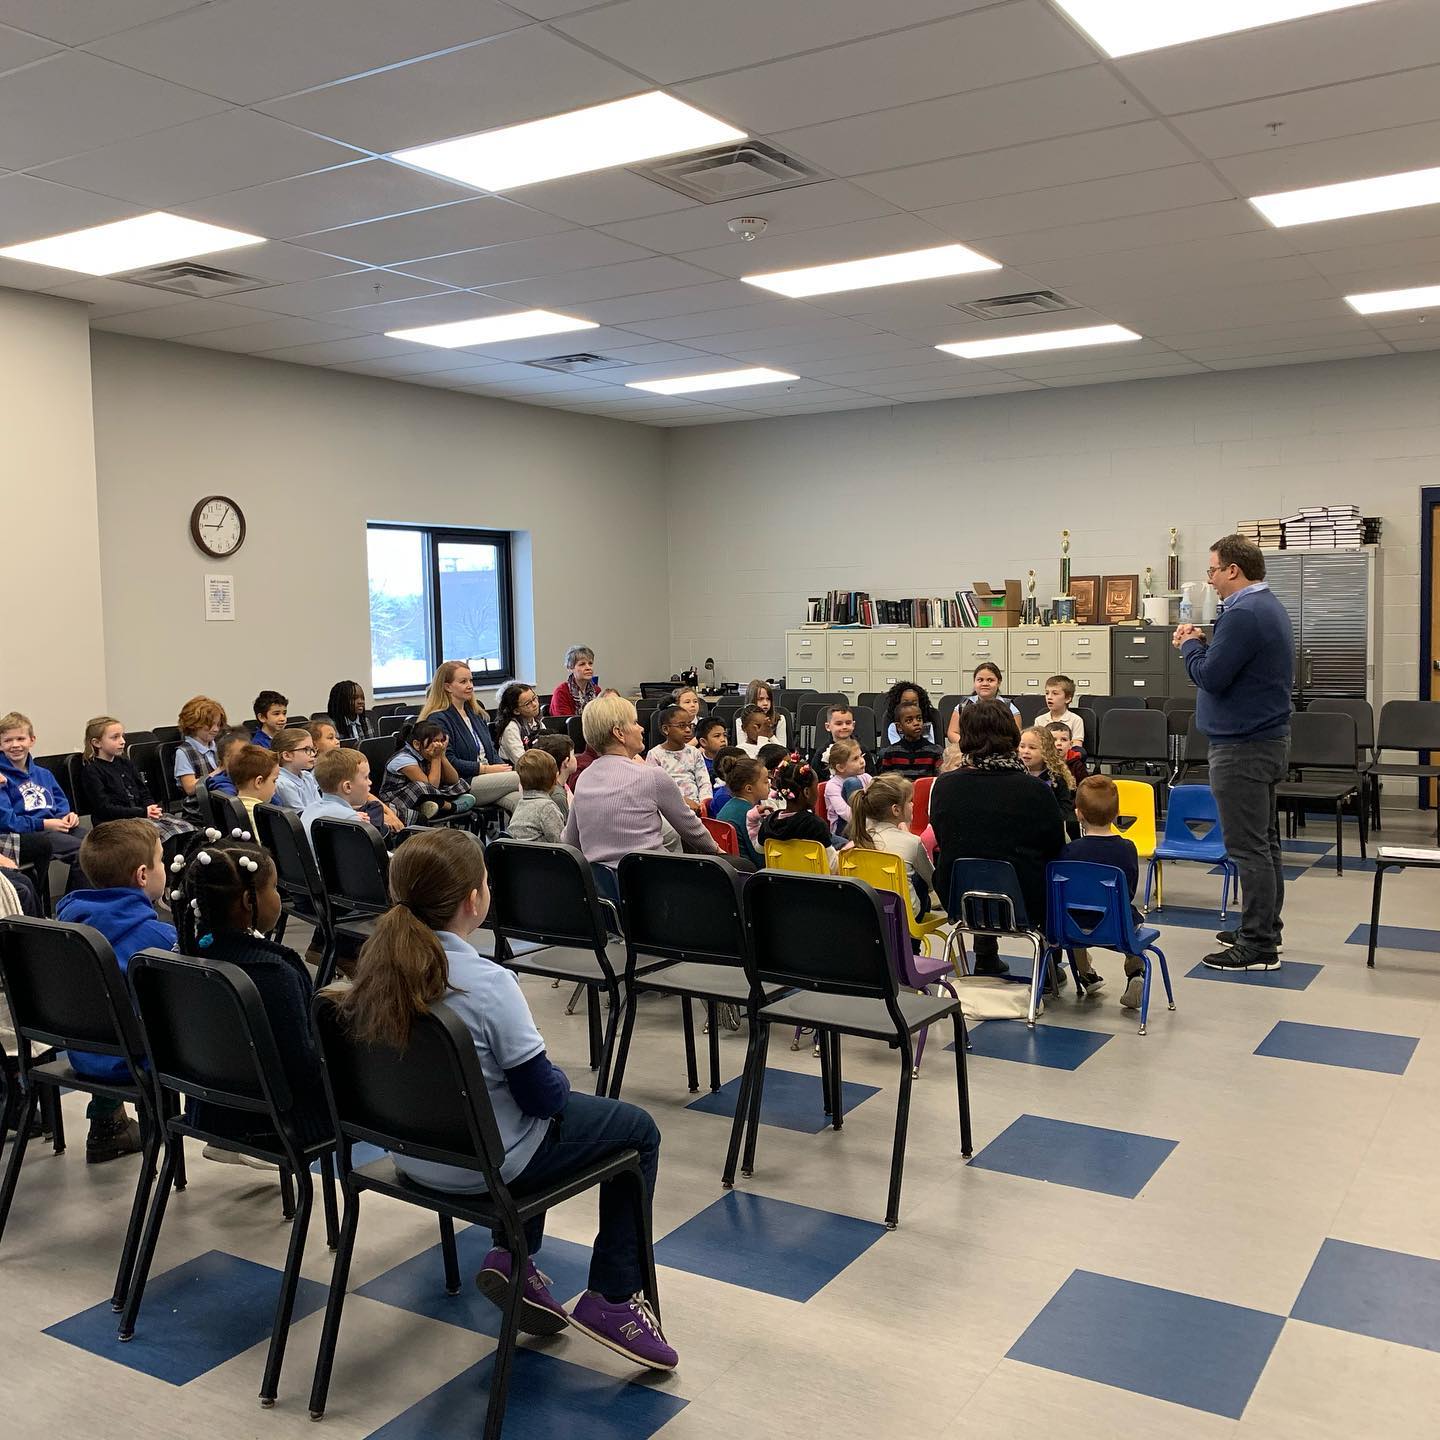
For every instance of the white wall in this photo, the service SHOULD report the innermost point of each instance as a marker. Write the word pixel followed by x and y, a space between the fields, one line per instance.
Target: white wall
pixel 311 455
pixel 924 499
pixel 52 645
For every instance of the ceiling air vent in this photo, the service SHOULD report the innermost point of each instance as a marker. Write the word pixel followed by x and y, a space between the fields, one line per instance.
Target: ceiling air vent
pixel 730 172
pixel 1003 307
pixel 196 282
pixel 576 364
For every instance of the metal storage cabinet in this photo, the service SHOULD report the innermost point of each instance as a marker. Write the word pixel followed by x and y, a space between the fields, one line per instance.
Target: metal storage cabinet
pixel 1139 660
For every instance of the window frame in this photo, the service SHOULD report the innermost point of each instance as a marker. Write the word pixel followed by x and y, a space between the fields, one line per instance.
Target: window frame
pixel 432 537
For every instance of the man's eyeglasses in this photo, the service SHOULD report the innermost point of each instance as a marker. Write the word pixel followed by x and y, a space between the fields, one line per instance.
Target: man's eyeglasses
pixel 1211 571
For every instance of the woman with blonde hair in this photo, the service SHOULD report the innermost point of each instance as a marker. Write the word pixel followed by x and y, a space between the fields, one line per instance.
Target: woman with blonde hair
pixel 451 704
pixel 420 954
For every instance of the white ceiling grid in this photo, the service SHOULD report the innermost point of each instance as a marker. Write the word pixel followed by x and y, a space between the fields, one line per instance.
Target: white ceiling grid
pixel 995 123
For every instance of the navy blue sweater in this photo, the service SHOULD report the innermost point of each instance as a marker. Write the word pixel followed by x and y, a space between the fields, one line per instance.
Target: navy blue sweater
pixel 1246 672
pixel 471 744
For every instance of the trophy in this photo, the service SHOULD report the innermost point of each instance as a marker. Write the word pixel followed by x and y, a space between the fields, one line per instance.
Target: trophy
pixel 1032 606
pixel 1173 576
pixel 1064 562
pixel 1149 581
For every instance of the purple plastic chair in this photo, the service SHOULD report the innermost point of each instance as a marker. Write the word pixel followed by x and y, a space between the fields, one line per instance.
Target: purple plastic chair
pixel 914 972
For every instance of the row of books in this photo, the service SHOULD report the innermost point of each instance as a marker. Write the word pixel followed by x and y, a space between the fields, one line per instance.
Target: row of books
pixel 1314 527
pixel 856 607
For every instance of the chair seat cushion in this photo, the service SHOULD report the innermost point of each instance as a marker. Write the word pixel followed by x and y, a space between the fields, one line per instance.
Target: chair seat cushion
pixel 1199 850
pixel 719 982
pixel 1415 772
pixel 857 1016
pixel 59 1072
pixel 562 962
pixel 1146 935
pixel 1316 789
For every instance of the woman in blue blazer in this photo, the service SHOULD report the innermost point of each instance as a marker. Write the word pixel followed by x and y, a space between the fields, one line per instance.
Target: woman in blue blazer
pixel 451 704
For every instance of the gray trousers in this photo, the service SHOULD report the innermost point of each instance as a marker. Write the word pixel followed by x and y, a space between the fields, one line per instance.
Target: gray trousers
pixel 1243 777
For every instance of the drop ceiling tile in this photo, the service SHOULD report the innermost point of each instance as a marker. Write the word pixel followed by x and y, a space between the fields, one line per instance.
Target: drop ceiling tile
pixel 73 22
pixel 339 292
pixel 283 263
pixel 604 282
pixel 849 241
pixel 1181 367
pixel 1200 310
pixel 527 259
pixel 31 209
pixel 804 356
pixel 114 297
pixel 411 360
pixel 428 310
pixel 1415 257
pixel 17 48
pixel 1136 357
pixel 520 76
pixel 73 102
pixel 202 157
pixel 1409 347
pixel 1178 267
pixel 755 345
pixel 271 334
pixel 1325 162
pixel 988 47
pixel 251 50
pixel 870 362
pixel 687 300
pixel 659 353
pixel 1419 223
pixel 189 317
pixel 1303 357
pixel 1213 354
pixel 721 322
pixel 335 353
pixel 1188 340
pixel 1259 275
pixel 1319 50
pixel 450 379
pixel 933 372
pixel 549 9
pixel 931 296
pixel 441 230
pixel 1130 232
pixel 604 197
pixel 1124 150
pixel 1110 199
pixel 1066 103
pixel 1407 98
pixel 544 347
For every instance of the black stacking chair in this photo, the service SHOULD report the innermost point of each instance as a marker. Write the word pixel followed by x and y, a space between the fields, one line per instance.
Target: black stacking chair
pixel 66 769
pixel 1407 725
pixel 377 752
pixel 388 726
pixel 207 1036
pixel 171 795
pixel 1363 716
pixel 576 731
pixel 870 699
pixel 1177 724
pixel 388 707
pixel 1326 773
pixel 810 717
pixel 1135 738
pixel 354 871
pixel 66 991
pixel 1195 766
pixel 945 707
pixel 145 756
pixel 430 1101
pixel 165 734
pixel 1092 726
pixel 546 894
pixel 557 724
pixel 825 939
pixel 1030 705
pixel 867 729
pixel 685 936
pixel 727 708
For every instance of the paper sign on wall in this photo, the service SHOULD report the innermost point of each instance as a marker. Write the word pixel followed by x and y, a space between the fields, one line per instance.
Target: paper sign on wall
pixel 219 597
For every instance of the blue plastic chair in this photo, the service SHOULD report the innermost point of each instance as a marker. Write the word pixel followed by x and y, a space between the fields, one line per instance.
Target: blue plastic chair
pixel 986 899
pixel 1192 805
pixel 1089 905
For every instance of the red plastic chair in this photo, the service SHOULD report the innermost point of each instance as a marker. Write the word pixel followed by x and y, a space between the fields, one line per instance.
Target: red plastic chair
pixel 921 819
pixel 722 832
pixel 820 804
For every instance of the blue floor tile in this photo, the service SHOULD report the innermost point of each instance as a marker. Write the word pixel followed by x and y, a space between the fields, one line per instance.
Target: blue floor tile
pixel 1383 1293
pixel 1057 1047
pixel 1189 918
pixel 418 1285
pixel 1290 872
pixel 1308 847
pixel 1292 975
pixel 792 1100
pixel 1164 1343
pixel 1334 1045
pixel 770 1245
pixel 194 1317
pixel 548 1397
pixel 1087 1157
pixel 1397 937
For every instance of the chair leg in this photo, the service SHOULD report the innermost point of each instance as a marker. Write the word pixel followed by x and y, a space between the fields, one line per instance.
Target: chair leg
pixel 1165 977
pixel 1362 821
pixel 742 1106
pixel 757 1092
pixel 144 1182
pixel 1149 878
pixel 1037 984
pixel 50 1104
pixel 1369 958
pixel 287 1193
pixel 607 1045
pixel 505 1347
pixel 920 1048
pixel 714 1013
pixel 1339 838
pixel 449 1255
pixel 962 1083
pixel 902 1125
pixel 1145 993
pixel 327 1200
pixel 823 1040
pixel 687 1026
pixel 645 1227
pixel 622 1049
pixel 24 1118
pixel 339 1278
pixel 143 1260
pixel 592 1021
pixel 289 1284
pixel 837 1108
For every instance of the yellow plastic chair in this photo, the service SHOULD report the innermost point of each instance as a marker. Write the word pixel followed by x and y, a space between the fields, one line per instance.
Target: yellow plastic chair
pixel 801 857
pixel 1137 807
pixel 883 871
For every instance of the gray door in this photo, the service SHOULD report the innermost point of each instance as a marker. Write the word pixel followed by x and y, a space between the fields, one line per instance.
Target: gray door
pixel 1334 624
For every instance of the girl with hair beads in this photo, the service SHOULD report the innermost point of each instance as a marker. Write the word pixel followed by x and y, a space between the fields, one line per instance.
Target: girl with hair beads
pixel 421 953
pixel 879 818
pixel 224 902
pixel 1043 763
pixel 795 783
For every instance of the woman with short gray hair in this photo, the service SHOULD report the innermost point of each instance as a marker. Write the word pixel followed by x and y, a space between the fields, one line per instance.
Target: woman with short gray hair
pixel 580 686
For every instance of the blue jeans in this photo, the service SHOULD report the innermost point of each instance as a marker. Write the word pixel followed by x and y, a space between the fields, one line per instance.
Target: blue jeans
pixel 1243 777
pixel 588 1129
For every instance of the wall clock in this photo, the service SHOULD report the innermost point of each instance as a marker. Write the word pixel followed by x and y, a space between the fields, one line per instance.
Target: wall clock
pixel 217 526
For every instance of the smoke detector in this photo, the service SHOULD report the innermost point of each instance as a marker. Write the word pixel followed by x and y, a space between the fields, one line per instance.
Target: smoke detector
pixel 747 227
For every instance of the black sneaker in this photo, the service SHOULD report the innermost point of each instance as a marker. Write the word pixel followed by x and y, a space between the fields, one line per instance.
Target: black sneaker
pixel 111 1137
pixel 1242 957
pixel 991 967
pixel 1232 937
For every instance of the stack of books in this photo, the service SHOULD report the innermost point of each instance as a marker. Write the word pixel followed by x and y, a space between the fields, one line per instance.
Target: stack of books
pixel 1372 524
pixel 1324 527
pixel 855 607
pixel 1267 534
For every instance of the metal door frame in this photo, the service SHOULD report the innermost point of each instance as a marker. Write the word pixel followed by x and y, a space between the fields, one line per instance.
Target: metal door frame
pixel 1429 500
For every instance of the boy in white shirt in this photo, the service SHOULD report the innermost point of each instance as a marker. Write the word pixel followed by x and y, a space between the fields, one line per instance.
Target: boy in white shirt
pixel 1059 692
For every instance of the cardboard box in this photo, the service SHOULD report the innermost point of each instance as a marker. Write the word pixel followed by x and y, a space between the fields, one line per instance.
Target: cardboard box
pixel 997 609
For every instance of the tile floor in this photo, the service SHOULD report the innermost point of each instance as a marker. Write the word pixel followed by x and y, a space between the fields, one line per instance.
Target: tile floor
pixel 1228 1227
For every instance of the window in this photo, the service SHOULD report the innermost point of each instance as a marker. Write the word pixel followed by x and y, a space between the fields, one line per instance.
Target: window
pixel 437 595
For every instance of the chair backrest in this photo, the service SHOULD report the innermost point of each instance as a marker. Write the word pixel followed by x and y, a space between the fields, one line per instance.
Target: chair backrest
pixel 800 857
pixel 66 769
pixel 576 731
pixel 65 988
pixel 682 907
pixel 1134 734
pixel 920 817
pixel 867 728
pixel 229 814
pixel 1088 905
pixel 165 733
pixel 388 726
pixel 172 792
pixel 428 1100
pixel 722 832
pixel 818 932
pixel 1193 818
pixel 985 898
pixel 1409 725
pixel 945 707
pixel 1358 710
pixel 1091 720
pixel 1031 706
pixel 727 708
pixel 880 870
pixel 377 752
pixel 145 756
pixel 1323 740
pixel 353 865
pixel 207 1032
pixel 1137 819
pixel 1171 703
pixel 386 707
pixel 297 877
pixel 545 894
pixel 1178 720
pixel 870 699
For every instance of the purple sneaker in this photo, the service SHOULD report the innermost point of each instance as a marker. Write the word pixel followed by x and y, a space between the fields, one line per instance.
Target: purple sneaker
pixel 540 1312
pixel 629 1329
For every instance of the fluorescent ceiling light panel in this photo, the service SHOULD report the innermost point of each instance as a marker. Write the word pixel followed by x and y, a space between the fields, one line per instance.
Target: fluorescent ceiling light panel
pixel 643 127
pixel 718 380
pixel 1351 197
pixel 130 244
pixel 1126 27
pixel 1046 340
pixel 898 269
pixel 1378 302
pixel 492 329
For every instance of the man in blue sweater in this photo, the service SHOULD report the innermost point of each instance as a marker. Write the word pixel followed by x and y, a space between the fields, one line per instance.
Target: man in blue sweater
pixel 1244 674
